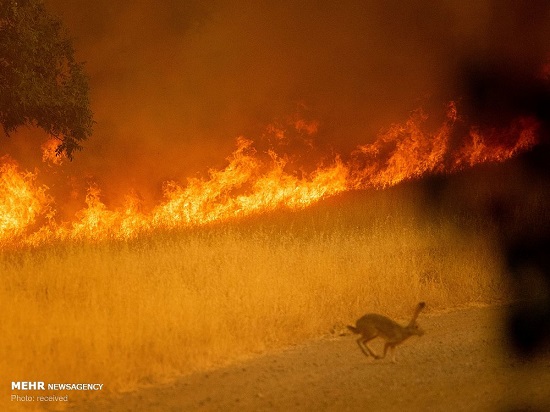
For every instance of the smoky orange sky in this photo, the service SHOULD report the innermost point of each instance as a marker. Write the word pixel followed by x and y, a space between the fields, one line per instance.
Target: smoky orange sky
pixel 173 83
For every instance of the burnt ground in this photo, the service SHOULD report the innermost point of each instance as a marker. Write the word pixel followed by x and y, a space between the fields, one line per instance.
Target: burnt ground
pixel 462 363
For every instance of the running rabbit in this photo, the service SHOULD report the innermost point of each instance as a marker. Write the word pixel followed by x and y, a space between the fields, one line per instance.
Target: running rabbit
pixel 373 325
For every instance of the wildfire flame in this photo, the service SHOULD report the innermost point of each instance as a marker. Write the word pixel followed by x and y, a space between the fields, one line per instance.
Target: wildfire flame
pixel 249 184
pixel 49 153
pixel 21 200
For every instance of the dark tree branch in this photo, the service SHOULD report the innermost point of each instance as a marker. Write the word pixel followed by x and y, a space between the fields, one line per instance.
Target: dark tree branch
pixel 41 83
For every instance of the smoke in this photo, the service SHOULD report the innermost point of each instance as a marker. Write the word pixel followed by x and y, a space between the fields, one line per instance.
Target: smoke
pixel 175 82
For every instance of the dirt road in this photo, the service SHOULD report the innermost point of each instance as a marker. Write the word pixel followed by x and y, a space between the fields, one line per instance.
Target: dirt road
pixel 460 364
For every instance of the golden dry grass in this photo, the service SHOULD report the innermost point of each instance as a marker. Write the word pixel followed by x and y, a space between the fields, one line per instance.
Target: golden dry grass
pixel 145 311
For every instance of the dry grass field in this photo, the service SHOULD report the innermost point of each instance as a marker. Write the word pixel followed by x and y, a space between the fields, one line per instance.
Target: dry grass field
pixel 138 312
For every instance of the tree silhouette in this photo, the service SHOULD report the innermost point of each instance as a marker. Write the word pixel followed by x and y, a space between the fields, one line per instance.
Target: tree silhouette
pixel 41 83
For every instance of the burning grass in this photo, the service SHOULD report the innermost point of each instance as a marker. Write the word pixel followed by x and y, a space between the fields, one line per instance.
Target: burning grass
pixel 130 313
pixel 254 181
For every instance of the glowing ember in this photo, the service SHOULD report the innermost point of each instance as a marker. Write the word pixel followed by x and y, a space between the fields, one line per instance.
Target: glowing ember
pixel 250 184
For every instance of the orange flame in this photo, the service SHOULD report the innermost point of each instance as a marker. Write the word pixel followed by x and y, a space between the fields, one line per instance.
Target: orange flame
pixel 21 200
pixel 49 152
pixel 250 185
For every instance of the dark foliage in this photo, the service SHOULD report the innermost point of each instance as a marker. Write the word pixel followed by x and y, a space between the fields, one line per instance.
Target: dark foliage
pixel 41 84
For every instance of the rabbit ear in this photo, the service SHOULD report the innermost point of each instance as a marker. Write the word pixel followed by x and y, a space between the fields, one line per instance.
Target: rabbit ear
pixel 417 311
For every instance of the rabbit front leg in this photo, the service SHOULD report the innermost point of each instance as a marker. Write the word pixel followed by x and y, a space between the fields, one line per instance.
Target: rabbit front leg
pixel 391 347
